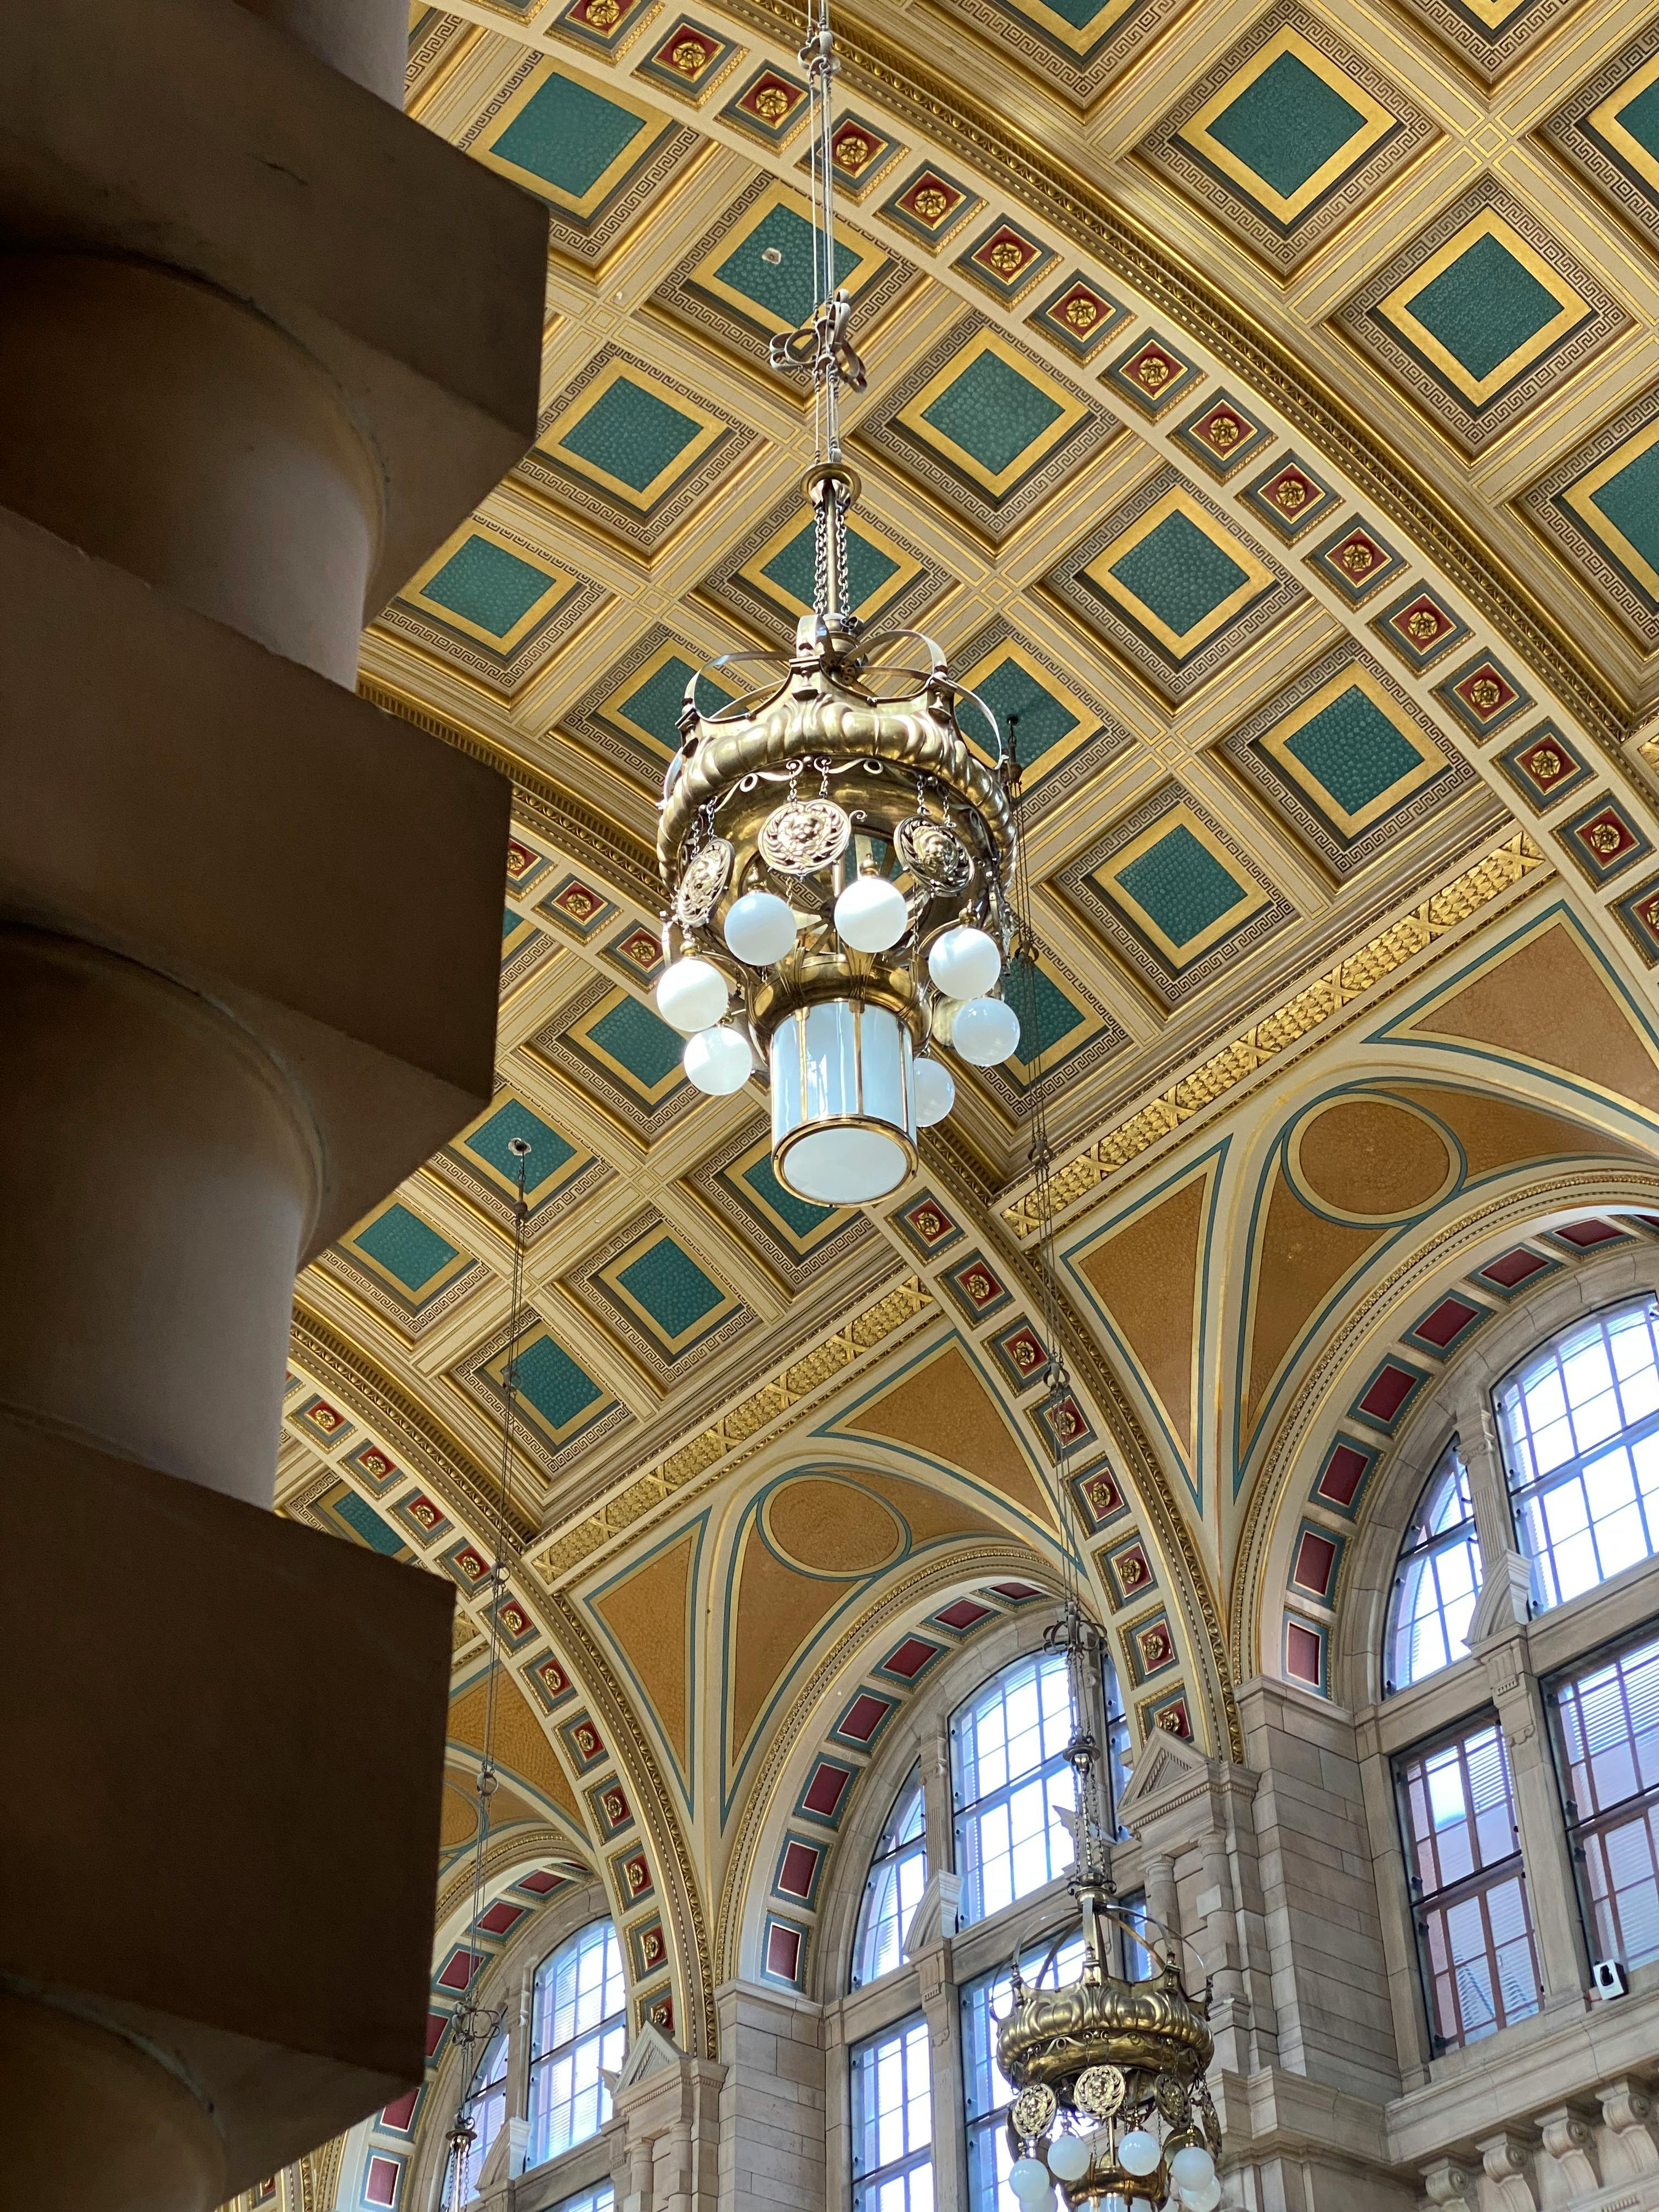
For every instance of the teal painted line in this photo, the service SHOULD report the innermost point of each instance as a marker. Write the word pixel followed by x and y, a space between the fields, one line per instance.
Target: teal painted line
pixel 1194 1481
pixel 590 1599
pixel 1392 1032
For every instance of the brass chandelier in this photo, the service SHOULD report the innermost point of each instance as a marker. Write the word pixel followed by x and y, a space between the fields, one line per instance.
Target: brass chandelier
pixel 838 860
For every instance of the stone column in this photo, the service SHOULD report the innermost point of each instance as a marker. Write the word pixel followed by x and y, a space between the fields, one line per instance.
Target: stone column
pixel 773 2130
pixel 245 400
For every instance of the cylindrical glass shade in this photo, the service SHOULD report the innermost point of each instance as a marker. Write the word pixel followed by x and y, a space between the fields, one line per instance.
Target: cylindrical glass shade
pixel 843 1121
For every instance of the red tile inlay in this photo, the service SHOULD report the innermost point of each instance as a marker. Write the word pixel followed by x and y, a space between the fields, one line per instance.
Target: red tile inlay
pixel 864 1717
pixel 380 2184
pixel 1342 1474
pixel 800 1863
pixel 1389 1393
pixel 1449 1319
pixel 1510 1269
pixel 825 1789
pixel 400 2112
pixel 501 1916
pixel 1315 1564
pixel 1302 1654
pixel 911 1657
pixel 1588 1234
pixel 540 1881
pixel 964 1615
pixel 783 1952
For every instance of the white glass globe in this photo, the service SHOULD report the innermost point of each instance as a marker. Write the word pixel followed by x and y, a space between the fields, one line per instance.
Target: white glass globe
pixel 932 1089
pixel 1139 2152
pixel 690 994
pixel 1202 2200
pixel 964 963
pixel 760 929
pixel 719 1061
pixel 845 1166
pixel 984 1031
pixel 1068 2158
pixel 1028 2179
pixel 871 914
pixel 1193 2167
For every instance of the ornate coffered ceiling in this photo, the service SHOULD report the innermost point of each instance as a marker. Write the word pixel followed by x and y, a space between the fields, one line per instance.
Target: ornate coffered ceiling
pixel 1263 405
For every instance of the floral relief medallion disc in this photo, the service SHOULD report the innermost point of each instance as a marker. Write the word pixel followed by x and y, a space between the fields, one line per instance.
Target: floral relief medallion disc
pixel 804 835
pixel 707 874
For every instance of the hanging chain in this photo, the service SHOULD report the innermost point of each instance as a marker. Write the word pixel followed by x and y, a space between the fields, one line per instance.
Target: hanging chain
pixel 475 2026
pixel 1076 1632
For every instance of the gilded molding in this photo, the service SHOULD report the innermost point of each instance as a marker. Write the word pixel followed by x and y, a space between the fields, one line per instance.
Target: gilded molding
pixel 1352 978
pixel 883 69
pixel 907 1304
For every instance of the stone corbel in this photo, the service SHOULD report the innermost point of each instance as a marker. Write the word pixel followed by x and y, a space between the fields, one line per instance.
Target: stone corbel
pixel 1449 2187
pixel 1627 2108
pixel 1506 1601
pixel 1574 2170
pixel 508 2156
pixel 1506 2158
pixel 934 1920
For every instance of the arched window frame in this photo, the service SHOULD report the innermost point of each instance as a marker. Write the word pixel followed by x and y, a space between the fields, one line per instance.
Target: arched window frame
pixel 591 2040
pixel 1438 1573
pixel 887 2007
pixel 894 1885
pixel 507 1981
pixel 1524 1663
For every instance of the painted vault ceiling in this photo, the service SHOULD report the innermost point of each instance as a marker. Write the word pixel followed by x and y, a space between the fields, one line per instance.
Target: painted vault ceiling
pixel 1264 405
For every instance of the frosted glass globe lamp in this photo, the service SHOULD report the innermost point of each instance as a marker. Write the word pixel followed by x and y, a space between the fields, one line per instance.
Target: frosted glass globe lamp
pixel 718 1061
pixel 691 995
pixel 984 1031
pixel 760 929
pixel 871 914
pixel 964 963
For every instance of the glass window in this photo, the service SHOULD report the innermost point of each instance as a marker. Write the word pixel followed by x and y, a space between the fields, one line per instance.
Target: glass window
pixel 1468 1887
pixel 1120 1747
pixel 600 2198
pixel 898 1875
pixel 1011 1781
pixel 577 2027
pixel 1436 1582
pixel 483 2109
pixel 987 2094
pixel 1580 1425
pixel 1606 1730
pixel 893 2122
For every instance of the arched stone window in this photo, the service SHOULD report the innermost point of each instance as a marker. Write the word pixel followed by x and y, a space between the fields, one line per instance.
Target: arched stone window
pixel 579 2028
pixel 1435 1580
pixel 898 1874
pixel 1579 1421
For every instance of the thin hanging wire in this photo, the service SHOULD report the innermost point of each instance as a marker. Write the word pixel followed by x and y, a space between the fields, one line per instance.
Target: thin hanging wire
pixel 476 2027
pixel 821 347
pixel 1076 1632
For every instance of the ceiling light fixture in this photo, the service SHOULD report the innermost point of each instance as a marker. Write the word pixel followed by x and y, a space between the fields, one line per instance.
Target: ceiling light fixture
pixel 838 858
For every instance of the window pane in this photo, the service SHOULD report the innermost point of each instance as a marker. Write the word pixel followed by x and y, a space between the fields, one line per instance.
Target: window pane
pixel 892 1891
pixel 1607 1725
pixel 1473 1923
pixel 578 2032
pixel 892 2122
pixel 986 2094
pixel 1008 1756
pixel 1436 1580
pixel 1579 1422
pixel 483 2110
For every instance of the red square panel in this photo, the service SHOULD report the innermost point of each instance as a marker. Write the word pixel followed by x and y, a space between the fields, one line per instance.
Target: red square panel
pixel 800 1863
pixel 1447 1319
pixel 864 1717
pixel 911 1657
pixel 1510 1269
pixel 1586 1234
pixel 1302 1654
pixel 501 1916
pixel 380 2182
pixel 1342 1474
pixel 964 1615
pixel 1389 1392
pixel 458 1972
pixel 1315 1564
pixel 436 2022
pixel 783 1952
pixel 540 1881
pixel 1015 1592
pixel 825 1789
pixel 401 2112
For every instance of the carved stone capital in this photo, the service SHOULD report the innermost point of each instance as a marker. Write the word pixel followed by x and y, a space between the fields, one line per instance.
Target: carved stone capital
pixel 1507 2159
pixel 1627 2108
pixel 1569 2141
pixel 1448 2186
